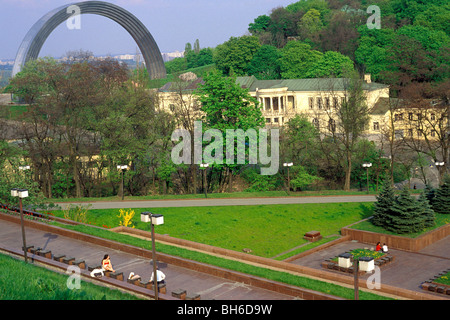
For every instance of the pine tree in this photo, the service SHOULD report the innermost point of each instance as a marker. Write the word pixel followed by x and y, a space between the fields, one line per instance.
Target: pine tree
pixel 405 214
pixel 429 193
pixel 427 212
pixel 383 205
pixel 441 203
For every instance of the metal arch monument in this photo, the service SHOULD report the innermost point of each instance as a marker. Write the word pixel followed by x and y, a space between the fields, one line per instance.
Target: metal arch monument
pixel 39 32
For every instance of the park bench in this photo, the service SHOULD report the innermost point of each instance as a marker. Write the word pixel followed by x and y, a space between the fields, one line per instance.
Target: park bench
pixel 58 257
pixel 68 260
pixel 117 275
pixel 45 253
pixel 193 296
pixel 79 263
pixel 135 280
pixel 179 293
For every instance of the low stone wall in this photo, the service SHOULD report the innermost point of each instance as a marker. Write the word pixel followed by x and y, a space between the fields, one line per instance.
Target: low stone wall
pixel 398 242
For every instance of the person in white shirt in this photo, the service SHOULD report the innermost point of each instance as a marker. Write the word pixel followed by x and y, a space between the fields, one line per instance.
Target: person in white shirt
pixel 385 248
pixel 160 277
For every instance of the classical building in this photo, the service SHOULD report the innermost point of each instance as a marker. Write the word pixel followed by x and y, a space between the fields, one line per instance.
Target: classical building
pixel 280 100
pixel 318 99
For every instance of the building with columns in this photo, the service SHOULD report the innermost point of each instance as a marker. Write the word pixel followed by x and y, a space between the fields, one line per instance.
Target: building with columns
pixel 280 100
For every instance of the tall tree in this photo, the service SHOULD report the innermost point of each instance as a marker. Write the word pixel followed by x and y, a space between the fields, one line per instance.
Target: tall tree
pixel 384 203
pixel 234 55
pixel 297 59
pixel 227 106
pixel 265 64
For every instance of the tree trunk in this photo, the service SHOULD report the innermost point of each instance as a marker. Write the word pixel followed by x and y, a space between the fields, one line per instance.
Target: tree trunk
pixel 348 171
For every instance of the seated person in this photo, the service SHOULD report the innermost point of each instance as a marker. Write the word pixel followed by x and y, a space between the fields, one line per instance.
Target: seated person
pixel 378 248
pixel 160 277
pixel 106 264
pixel 385 248
pixel 133 276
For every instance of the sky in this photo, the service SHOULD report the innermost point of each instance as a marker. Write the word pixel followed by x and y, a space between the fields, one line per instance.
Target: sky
pixel 172 24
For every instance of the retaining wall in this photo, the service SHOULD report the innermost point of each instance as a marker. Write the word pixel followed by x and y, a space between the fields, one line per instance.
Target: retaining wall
pixel 398 242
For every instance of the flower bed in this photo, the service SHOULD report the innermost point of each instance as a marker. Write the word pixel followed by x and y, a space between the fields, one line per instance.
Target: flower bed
pixel 439 284
pixel 380 259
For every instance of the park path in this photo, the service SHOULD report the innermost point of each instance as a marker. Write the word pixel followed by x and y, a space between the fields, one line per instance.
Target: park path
pixel 208 286
pixel 219 202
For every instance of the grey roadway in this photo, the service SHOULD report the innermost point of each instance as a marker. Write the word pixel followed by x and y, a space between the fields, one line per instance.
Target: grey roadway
pixel 219 202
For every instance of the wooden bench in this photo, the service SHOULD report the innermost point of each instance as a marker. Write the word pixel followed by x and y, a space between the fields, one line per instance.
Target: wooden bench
pixel 68 260
pixel 135 280
pixel 146 285
pixel 79 263
pixel 162 288
pixel 45 253
pixel 193 296
pixel 117 275
pixel 179 293
pixel 58 257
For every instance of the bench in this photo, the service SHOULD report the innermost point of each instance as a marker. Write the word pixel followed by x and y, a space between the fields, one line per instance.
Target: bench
pixel 68 260
pixel 313 236
pixel 162 288
pixel 440 289
pixel 58 257
pixel 45 253
pixel 135 280
pixel 79 263
pixel 146 285
pixel 193 296
pixel 117 275
pixel 179 293
pixel 93 267
pixel 34 250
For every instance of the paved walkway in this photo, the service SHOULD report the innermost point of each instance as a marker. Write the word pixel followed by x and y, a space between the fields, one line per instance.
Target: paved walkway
pixel 220 202
pixel 208 286
pixel 408 270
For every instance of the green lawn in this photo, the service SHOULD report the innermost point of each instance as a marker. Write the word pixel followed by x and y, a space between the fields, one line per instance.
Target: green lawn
pixel 267 230
pixel 21 281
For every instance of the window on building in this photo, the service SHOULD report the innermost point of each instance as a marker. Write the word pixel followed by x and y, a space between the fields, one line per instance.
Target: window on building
pixel 433 117
pixel 433 133
pixel 376 126
pixel 398 117
pixel 410 132
pixel 275 120
pixel 332 125
pixel 410 116
pixel 327 103
pixel 335 102
pixel 267 120
pixel 311 103
pixel 291 102
pixel 319 103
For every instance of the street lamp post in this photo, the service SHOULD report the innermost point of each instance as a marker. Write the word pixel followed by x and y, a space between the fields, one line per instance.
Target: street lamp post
pixel 155 219
pixel 367 165
pixel 288 165
pixel 21 193
pixel 439 165
pixel 204 166
pixel 123 168
pixel 355 278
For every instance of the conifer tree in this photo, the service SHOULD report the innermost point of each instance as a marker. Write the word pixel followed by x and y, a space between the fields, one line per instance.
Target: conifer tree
pixel 426 211
pixel 384 203
pixel 429 193
pixel 405 214
pixel 441 202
